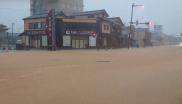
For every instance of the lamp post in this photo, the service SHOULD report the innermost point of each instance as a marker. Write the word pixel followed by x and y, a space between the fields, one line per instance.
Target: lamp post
pixel 131 22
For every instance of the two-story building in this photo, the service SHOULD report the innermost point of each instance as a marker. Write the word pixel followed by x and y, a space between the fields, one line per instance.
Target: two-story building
pixel 90 29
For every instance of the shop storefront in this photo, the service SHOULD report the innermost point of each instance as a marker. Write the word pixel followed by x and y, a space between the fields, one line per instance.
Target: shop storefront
pixel 35 39
pixel 79 39
pixel 79 35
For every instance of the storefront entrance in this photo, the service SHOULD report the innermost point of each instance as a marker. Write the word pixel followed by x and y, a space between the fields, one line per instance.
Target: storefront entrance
pixel 35 41
pixel 80 42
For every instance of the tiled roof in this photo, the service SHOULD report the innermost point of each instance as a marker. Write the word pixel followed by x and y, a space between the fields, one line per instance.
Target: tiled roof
pixel 90 13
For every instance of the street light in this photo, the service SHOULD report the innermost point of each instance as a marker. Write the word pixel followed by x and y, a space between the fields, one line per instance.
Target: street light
pixel 131 22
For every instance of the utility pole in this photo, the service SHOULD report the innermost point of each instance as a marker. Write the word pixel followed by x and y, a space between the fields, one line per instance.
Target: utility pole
pixel 131 22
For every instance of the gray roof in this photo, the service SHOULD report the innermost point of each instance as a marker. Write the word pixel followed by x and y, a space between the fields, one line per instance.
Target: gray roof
pixel 44 15
pixel 90 13
pixel 36 16
pixel 115 20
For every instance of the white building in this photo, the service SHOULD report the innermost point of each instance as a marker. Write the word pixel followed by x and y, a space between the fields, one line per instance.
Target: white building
pixel 158 28
pixel 142 37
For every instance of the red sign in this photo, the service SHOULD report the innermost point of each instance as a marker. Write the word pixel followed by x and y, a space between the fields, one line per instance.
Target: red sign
pixel 49 24
pixel 49 28
pixel 94 34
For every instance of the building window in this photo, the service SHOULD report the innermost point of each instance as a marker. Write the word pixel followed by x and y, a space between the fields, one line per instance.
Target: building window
pixel 43 24
pixel 108 27
pixel 105 27
pixel 37 25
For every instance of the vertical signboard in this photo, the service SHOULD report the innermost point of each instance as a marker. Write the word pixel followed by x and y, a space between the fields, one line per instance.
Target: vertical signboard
pixel 50 30
pixel 53 30
pixel 92 41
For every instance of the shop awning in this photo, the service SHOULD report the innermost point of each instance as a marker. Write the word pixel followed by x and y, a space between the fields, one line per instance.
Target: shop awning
pixel 32 33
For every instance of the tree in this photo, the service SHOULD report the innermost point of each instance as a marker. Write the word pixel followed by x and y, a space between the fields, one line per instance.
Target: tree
pixel 3 28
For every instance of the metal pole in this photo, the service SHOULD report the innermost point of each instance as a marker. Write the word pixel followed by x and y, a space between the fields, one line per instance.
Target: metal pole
pixel 12 40
pixel 131 21
pixel 53 30
pixel 8 39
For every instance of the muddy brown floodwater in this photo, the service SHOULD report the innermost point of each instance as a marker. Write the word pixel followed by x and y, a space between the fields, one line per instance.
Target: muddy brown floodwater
pixel 135 76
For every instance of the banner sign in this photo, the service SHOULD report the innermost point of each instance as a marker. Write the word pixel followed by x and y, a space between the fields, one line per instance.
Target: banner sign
pixel 35 32
pixel 77 32
pixel 92 41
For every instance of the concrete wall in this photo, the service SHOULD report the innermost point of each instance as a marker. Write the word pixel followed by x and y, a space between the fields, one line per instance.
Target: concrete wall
pixel 67 6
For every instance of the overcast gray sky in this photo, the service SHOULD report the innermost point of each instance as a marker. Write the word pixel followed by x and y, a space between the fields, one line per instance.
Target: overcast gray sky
pixel 163 12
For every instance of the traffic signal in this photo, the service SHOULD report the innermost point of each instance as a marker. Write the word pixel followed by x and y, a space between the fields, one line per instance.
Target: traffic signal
pixel 149 24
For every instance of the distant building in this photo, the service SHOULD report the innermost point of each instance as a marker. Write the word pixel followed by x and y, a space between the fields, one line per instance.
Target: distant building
pixel 116 32
pixel 158 29
pixel 142 37
pixel 67 6
pixel 8 39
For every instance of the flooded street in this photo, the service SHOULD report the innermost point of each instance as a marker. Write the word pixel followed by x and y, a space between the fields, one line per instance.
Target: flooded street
pixel 135 76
